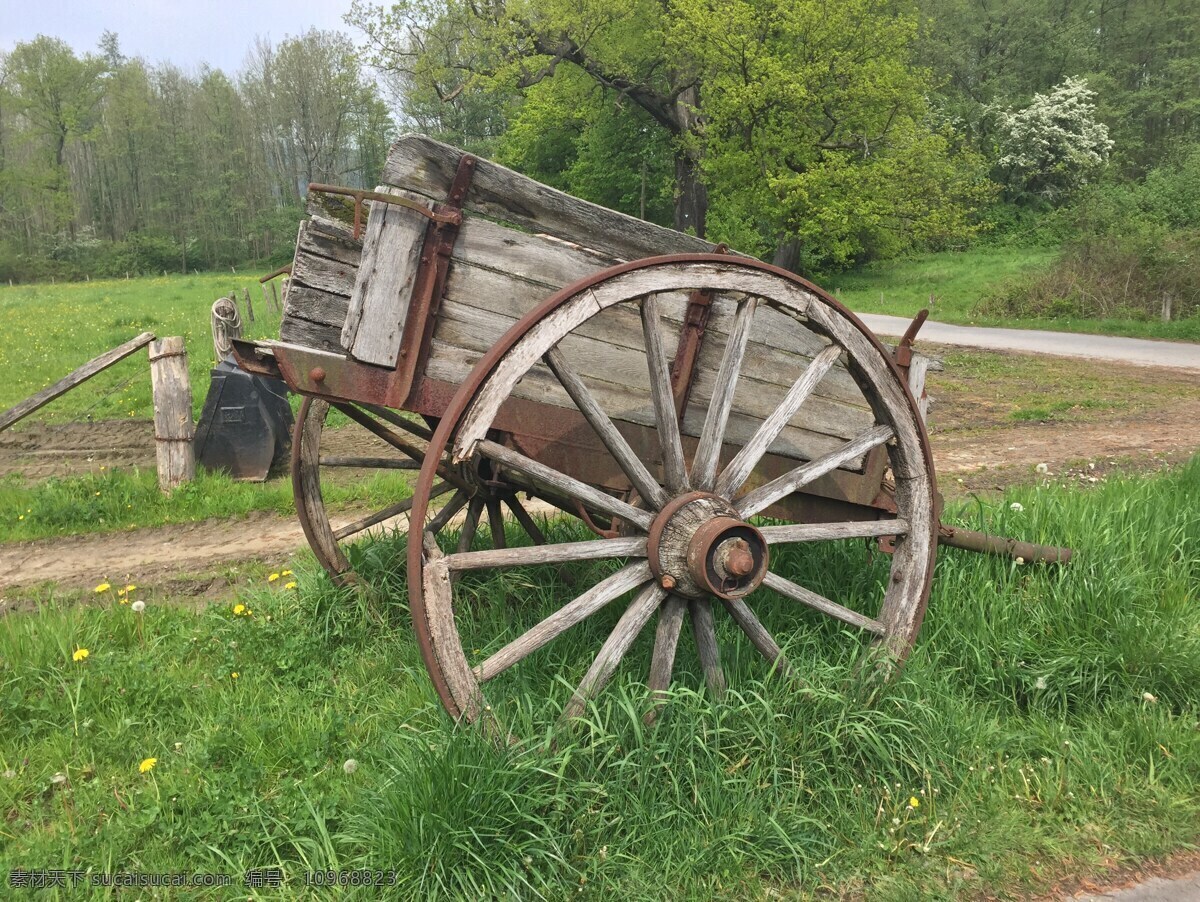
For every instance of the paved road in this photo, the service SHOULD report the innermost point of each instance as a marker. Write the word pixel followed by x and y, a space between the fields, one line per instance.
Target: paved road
pixel 1156 889
pixel 1141 351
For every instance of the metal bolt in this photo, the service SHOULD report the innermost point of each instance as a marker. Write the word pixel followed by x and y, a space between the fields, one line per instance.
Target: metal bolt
pixel 317 374
pixel 668 581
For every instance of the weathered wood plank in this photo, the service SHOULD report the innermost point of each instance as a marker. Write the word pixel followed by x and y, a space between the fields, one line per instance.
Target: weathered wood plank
pixel 334 244
pixel 383 289
pixel 172 393
pixel 321 336
pixel 323 274
pixel 316 306
pixel 79 376
pixel 420 164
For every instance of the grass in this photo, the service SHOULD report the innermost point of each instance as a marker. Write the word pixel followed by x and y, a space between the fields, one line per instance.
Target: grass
pixel 55 328
pixel 952 283
pixel 1048 722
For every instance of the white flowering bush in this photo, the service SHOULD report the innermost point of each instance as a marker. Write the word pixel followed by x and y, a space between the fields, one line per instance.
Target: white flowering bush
pixel 1053 145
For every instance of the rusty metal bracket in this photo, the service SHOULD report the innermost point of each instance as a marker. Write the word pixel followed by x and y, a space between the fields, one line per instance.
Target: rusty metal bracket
pixel 430 281
pixel 449 215
pixel 903 352
pixel 691 340
pixel 285 270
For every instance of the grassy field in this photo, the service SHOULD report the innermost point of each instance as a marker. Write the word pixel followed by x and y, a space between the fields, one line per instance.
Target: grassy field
pixel 55 328
pixel 1048 721
pixel 951 284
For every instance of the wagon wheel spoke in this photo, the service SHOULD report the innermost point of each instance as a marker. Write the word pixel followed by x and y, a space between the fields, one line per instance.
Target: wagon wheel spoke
pixel 386 413
pixel 705 633
pixel 387 513
pixel 630 464
pixel 578 491
pixel 811 599
pixel 759 637
pixel 397 441
pixel 367 463
pixel 496 523
pixel 614 648
pixel 663 397
pixel 764 496
pixel 527 522
pixel 662 660
pixel 447 513
pixel 628 577
pixel 533 555
pixel 743 464
pixel 708 451
pixel 819 532
pixel 470 525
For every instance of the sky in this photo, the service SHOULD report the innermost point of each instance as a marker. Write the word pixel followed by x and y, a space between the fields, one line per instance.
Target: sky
pixel 217 32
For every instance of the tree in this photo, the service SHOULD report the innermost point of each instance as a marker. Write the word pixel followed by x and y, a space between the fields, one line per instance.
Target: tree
pixel 1049 149
pixel 750 96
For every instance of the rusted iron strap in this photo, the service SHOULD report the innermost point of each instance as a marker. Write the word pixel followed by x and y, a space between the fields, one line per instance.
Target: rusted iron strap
pixel 903 352
pixel 691 339
pixel 285 270
pixel 970 540
pixel 429 283
pixel 445 214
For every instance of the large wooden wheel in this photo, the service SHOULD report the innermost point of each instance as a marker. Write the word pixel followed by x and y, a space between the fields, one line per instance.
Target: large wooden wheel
pixel 685 534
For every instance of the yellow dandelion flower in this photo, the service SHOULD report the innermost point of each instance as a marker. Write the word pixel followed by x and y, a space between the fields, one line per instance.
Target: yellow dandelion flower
pixel 147 765
pixel 22 517
pixel 130 588
pixel 103 587
pixel 80 654
pixel 285 572
pixel 914 802
pixel 290 585
pixel 272 577
pixel 234 675
pixel 239 609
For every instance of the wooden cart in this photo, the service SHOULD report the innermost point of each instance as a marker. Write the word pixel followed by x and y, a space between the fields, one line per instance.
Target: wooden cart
pixel 696 409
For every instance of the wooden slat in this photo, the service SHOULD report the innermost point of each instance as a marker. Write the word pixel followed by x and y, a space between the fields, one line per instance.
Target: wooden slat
pixel 315 305
pixel 425 166
pixel 80 375
pixel 320 336
pixel 392 248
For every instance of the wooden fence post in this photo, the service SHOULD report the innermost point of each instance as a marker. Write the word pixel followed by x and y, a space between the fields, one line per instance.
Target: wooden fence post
pixel 172 412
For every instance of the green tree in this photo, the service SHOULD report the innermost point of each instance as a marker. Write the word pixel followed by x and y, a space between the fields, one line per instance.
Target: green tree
pixel 752 98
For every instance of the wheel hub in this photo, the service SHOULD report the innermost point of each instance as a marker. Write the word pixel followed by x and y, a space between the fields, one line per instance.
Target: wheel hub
pixel 699 546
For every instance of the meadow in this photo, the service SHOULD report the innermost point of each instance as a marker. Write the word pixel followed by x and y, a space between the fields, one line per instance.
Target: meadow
pixel 1047 725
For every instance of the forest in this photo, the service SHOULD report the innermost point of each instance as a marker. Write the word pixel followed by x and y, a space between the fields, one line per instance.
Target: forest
pixel 820 136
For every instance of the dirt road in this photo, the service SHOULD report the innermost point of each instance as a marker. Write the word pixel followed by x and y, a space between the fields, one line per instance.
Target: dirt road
pixel 990 425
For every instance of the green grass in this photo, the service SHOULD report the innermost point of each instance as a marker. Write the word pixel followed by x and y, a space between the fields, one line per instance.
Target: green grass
pixel 1020 728
pixel 951 284
pixel 127 499
pixel 55 328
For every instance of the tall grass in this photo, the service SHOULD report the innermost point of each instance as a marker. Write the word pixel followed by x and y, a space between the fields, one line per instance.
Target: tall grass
pixel 1048 721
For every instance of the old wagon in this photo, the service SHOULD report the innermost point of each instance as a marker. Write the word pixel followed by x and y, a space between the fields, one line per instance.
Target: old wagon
pixel 699 411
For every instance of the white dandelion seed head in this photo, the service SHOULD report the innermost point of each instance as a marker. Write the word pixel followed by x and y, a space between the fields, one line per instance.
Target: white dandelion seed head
pixel 1020 560
pixel 1041 683
pixel 350 766
pixel 1043 468
pixel 1149 698
pixel 1016 506
pixel 138 606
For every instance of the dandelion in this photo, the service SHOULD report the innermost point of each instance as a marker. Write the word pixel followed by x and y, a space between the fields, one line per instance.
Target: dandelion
pixel 1149 698
pixel 273 577
pixel 914 802
pixel 1043 468
pixel 80 654
pixel 1020 560
pixel 285 572
pixel 233 675
pixel 290 585
pixel 138 606
pixel 239 609
pixel 103 587
pixel 147 765
pixel 896 822
pixel 350 766
pixel 1041 683
pixel 1016 507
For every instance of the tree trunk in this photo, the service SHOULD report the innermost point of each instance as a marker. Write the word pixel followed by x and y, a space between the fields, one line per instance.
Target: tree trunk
pixel 691 194
pixel 787 255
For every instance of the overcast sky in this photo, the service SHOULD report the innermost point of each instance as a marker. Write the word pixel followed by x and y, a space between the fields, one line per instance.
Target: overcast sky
pixel 217 32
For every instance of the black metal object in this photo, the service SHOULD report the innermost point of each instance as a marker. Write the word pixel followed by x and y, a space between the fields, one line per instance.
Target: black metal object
pixel 246 425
